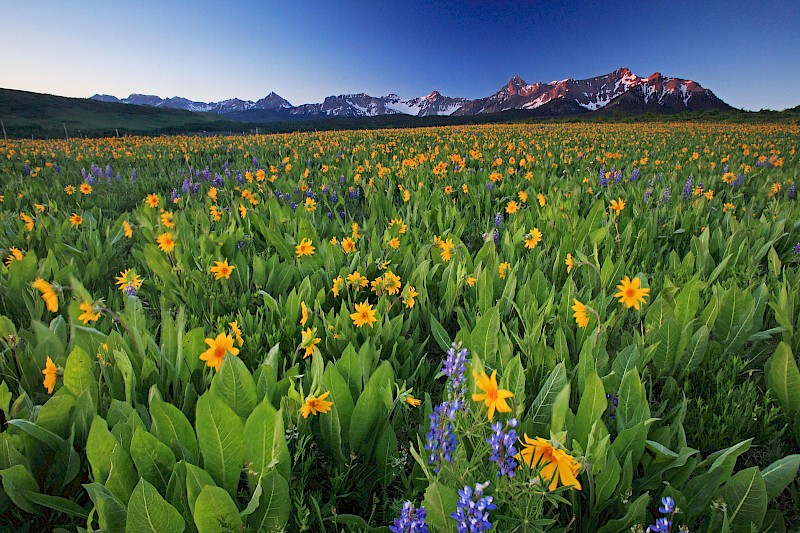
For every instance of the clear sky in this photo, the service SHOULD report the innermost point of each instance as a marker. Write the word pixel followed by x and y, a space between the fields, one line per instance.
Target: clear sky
pixel 747 52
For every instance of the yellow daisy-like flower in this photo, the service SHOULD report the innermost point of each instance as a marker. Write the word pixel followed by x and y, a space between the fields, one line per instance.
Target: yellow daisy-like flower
pixel 48 294
pixel 152 200
pixel 348 245
pixel 166 242
pixel 237 332
pixel 129 277
pixel 542 199
pixel 27 220
pixel 167 220
pixel 492 396
pixel 86 188
pixel 90 312
pixel 394 243
pixel 512 207
pixel 581 318
pixel 222 269
pixel 242 210
pixel 314 405
pixel 309 341
pixel 69 189
pixel 304 248
pixel 502 269
pixel 569 262
pixel 557 466
pixel 50 375
pixel 212 193
pixel 471 281
pixel 411 294
pixel 447 249
pixel 127 228
pixel 413 402
pixel 218 348
pixel 364 315
pixel 303 313
pixel 337 284
pixel 392 282
pixel 523 196
pixel 534 239
pixel 631 293
pixel 617 205
pixel 75 220
pixel 311 204
pixel 14 255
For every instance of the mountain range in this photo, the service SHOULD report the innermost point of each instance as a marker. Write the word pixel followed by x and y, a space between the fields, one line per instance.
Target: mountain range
pixel 619 91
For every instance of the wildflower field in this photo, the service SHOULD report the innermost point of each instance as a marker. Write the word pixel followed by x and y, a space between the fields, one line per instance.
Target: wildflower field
pixel 573 327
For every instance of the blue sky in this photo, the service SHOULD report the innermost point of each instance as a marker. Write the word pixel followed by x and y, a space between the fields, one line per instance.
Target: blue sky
pixel 746 52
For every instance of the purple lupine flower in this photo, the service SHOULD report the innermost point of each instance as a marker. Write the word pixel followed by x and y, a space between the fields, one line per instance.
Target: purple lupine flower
pixel 287 196
pixel 472 510
pixel 667 505
pixel 218 182
pixel 133 175
pixel 603 180
pixel 109 172
pixel 185 185
pixel 255 161
pixel 118 177
pixel 455 368
pixel 56 167
pixel 239 178
pixel 792 191
pixel 490 186
pixel 503 451
pixel 330 215
pixel 342 215
pixel 635 174
pixel 613 403
pixel 27 169
pixel 497 220
pixel 341 179
pixel 335 197
pixel 441 436
pixel 796 249
pixel 83 174
pixel 174 196
pixel 725 169
pixel 647 194
pixel 207 174
pixel 662 525
pixel 130 290
pixel 666 196
pixel 739 181
pixel 496 236
pixel 411 520
pixel 293 206
pixel 618 176
pixel 687 188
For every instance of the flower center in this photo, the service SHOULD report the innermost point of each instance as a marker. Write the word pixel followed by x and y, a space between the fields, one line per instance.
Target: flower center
pixel 492 394
pixel 630 292
pixel 219 352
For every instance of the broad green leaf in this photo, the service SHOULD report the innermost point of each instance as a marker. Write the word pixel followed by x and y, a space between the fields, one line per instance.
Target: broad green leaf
pixel 484 337
pixel 111 512
pixel 235 386
pixel 215 511
pixel 17 482
pixel 78 375
pixel 780 474
pixel 148 512
pixel 219 434
pixel 540 410
pixel 265 447
pixel 440 503
pixel 746 496
pixel 591 407
pixel 274 506
pixel 783 378
pixel 153 459
pixel 111 464
pixel 57 503
pixel 172 428
pixel 369 415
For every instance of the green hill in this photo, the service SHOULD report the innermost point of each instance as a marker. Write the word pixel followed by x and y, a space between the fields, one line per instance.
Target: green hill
pixel 27 114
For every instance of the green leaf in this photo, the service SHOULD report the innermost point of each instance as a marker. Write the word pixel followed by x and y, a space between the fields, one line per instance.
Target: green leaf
pixel 111 512
pixel 78 375
pixel 18 481
pixel 235 386
pixel 219 433
pixel 148 512
pixel 340 396
pixel 172 428
pixel 274 506
pixel 215 511
pixel 514 380
pixel 439 334
pixel 592 406
pixel 196 480
pixel 368 416
pixel 783 378
pixel 780 474
pixel 635 515
pixel 56 503
pixel 746 496
pixel 52 440
pixel 111 464
pixel 484 337
pixel 440 503
pixel 265 447
pixel 153 459
pixel 632 403
pixel 541 408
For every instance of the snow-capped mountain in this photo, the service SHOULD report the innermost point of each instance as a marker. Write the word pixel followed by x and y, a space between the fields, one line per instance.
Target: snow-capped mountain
pixel 620 91
pixel 233 105
pixel 656 93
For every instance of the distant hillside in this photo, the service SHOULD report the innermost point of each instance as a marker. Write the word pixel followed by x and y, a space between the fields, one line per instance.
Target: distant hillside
pixel 43 115
pixel 27 114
